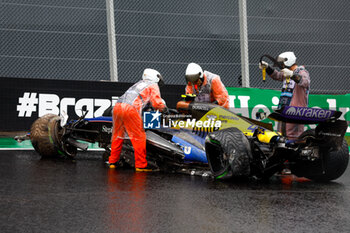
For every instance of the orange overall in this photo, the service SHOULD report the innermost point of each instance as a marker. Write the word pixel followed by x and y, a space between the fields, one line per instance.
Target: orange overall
pixel 127 119
pixel 212 89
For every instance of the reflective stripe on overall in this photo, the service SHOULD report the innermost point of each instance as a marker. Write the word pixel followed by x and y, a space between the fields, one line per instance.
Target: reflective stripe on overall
pixel 133 92
pixel 203 94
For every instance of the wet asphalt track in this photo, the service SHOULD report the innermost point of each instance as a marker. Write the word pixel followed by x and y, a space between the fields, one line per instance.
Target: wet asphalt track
pixel 62 196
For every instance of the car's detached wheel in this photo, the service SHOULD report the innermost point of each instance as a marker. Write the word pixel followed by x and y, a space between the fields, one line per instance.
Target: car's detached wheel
pixel 43 134
pixel 331 167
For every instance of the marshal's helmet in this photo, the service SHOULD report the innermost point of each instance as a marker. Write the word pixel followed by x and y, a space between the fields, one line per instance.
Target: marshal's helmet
pixel 153 75
pixel 286 59
pixel 193 73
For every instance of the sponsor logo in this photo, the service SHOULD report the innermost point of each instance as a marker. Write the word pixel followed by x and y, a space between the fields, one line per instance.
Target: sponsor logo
pixel 329 134
pixel 151 120
pixel 314 113
pixel 228 117
pixel 201 107
pixel 106 129
pixel 211 117
pixel 291 111
pixel 191 123
pixel 187 150
pixel 32 102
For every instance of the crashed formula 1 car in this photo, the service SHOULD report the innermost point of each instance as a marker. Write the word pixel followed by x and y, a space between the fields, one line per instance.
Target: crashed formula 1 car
pixel 238 147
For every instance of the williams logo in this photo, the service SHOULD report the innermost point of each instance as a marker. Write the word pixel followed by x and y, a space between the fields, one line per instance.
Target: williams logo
pixel 151 120
pixel 106 129
pixel 314 113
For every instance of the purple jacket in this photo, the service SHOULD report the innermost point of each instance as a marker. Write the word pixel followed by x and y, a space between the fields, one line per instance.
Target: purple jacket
pixel 294 94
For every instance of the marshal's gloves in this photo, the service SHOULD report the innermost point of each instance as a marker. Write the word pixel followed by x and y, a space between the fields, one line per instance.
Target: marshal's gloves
pixel 263 65
pixel 287 73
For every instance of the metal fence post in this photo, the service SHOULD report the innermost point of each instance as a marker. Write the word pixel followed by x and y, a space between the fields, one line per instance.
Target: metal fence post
pixel 111 41
pixel 243 28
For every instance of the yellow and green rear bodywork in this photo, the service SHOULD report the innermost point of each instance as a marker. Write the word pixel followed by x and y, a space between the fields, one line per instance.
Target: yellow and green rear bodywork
pixel 229 119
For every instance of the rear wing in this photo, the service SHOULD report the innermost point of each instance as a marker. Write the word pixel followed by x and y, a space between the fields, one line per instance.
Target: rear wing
pixel 304 115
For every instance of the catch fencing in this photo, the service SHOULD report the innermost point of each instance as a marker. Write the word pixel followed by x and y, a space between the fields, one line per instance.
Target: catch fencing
pixel 68 39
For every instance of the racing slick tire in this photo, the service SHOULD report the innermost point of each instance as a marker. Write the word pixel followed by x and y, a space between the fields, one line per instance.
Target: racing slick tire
pixel 229 154
pixel 332 165
pixel 43 134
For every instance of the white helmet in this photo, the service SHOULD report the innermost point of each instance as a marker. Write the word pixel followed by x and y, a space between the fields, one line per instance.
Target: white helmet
pixel 153 75
pixel 193 72
pixel 287 58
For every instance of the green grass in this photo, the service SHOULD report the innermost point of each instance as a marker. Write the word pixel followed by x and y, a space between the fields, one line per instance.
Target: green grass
pixel 10 143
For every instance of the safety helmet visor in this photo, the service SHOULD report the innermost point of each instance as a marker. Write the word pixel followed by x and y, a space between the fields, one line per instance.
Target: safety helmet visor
pixel 161 80
pixel 192 77
pixel 281 62
pixel 287 59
